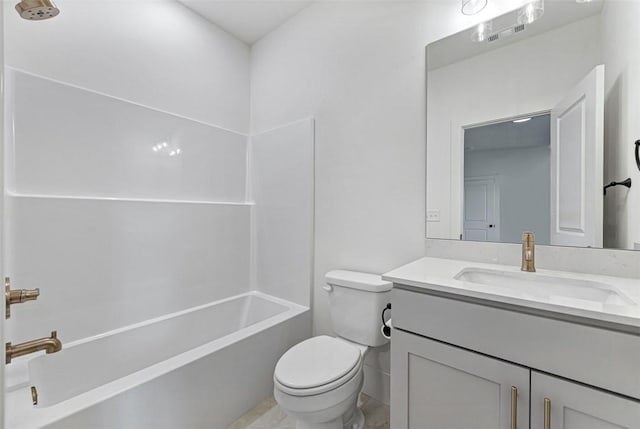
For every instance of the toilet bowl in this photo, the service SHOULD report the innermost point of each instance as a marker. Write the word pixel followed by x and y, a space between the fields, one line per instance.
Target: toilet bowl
pixel 318 381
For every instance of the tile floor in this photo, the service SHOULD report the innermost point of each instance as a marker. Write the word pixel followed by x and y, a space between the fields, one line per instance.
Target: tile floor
pixel 268 415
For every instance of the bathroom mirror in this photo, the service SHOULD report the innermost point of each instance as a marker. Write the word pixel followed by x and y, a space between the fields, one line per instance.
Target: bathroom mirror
pixel 529 116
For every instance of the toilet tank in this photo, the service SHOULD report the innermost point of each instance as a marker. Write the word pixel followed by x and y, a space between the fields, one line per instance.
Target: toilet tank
pixel 356 301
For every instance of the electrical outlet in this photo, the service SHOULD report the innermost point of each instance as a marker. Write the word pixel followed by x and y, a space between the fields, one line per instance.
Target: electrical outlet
pixel 433 215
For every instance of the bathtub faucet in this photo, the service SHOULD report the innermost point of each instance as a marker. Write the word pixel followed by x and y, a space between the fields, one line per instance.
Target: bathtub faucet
pixel 48 344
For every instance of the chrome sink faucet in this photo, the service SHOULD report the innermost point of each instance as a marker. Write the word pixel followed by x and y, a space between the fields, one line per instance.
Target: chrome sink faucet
pixel 528 252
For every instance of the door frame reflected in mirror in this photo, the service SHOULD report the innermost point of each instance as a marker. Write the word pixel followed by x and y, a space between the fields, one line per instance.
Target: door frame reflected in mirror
pixel 458 181
pixel 459 186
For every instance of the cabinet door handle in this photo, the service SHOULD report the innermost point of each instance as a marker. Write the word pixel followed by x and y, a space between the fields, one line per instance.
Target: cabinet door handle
pixel 547 413
pixel 514 407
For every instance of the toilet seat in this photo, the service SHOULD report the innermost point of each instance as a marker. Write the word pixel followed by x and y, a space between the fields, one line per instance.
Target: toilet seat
pixel 317 365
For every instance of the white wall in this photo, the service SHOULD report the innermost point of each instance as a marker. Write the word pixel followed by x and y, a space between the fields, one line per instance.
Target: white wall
pixel 154 52
pixel 358 68
pixel 512 81
pixel 621 56
pixel 523 179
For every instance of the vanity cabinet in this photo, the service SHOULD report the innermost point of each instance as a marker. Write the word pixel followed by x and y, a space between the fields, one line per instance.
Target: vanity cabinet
pixel 452 388
pixel 574 406
pixel 467 365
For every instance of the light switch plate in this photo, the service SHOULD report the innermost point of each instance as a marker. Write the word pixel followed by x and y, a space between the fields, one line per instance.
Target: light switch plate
pixel 433 215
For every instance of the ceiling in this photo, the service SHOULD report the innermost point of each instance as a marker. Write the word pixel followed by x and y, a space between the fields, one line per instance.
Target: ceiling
pixel 248 20
pixel 509 135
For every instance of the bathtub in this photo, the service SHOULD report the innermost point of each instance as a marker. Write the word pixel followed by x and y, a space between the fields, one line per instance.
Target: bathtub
pixel 198 368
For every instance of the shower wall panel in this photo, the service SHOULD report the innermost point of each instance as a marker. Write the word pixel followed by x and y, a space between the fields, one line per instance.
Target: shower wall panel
pixel 118 212
pixel 282 186
pixel 73 142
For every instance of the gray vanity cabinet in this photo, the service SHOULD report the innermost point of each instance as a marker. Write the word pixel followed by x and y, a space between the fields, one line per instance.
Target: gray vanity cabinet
pixel 448 387
pixel 574 406
pixel 455 365
pixel 452 388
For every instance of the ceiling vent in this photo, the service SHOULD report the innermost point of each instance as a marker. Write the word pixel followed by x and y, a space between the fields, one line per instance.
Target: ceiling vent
pixel 518 28
pixel 506 32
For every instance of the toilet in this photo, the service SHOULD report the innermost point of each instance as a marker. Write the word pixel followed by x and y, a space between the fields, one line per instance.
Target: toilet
pixel 318 380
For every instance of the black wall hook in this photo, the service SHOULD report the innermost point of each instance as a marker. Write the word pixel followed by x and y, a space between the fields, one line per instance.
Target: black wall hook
pixel 638 153
pixel 626 183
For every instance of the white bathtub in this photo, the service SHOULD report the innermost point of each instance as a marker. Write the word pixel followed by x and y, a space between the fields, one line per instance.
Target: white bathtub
pixel 199 368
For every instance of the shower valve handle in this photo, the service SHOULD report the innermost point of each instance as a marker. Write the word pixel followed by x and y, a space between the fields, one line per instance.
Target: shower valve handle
pixel 17 296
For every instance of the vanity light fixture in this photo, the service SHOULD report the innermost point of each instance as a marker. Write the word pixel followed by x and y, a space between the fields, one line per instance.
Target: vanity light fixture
pixel 584 1
pixel 482 32
pixel 530 12
pixel 471 7
pixel 519 121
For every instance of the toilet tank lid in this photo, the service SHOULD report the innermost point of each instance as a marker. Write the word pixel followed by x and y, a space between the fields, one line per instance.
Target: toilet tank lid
pixel 357 280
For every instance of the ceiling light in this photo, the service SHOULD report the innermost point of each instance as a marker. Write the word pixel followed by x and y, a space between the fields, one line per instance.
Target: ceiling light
pixel 584 1
pixel 530 12
pixel 481 32
pixel 519 121
pixel 471 7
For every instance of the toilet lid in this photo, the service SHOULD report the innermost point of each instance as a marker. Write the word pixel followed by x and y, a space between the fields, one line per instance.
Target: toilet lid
pixel 316 362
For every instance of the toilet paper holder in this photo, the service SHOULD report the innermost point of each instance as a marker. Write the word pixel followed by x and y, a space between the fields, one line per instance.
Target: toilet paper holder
pixel 386 324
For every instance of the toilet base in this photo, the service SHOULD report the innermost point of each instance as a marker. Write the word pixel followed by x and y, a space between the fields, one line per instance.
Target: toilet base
pixel 357 422
pixel 353 421
pixel 337 409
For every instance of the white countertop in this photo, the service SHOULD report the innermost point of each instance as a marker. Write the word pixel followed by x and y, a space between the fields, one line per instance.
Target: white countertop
pixel 438 275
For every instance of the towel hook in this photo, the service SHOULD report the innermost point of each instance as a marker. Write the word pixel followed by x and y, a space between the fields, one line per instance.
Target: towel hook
pixel 626 182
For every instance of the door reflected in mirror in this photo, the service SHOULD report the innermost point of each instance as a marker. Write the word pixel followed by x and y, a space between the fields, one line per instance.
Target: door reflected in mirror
pixel 525 128
pixel 507 170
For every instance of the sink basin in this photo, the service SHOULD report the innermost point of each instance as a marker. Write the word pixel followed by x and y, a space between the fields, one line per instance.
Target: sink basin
pixel 540 287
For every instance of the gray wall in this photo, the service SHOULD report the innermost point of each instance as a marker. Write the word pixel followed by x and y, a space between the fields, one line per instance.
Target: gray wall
pixel 523 178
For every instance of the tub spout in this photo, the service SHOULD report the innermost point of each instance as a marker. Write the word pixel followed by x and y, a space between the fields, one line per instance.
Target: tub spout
pixel 49 344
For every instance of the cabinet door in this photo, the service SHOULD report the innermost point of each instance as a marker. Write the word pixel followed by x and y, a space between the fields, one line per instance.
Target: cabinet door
pixel 575 406
pixel 438 386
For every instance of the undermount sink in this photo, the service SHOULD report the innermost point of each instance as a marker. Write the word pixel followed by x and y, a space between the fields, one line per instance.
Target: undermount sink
pixel 560 290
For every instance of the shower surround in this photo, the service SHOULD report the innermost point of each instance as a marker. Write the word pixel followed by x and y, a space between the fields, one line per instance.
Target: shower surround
pixel 124 214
